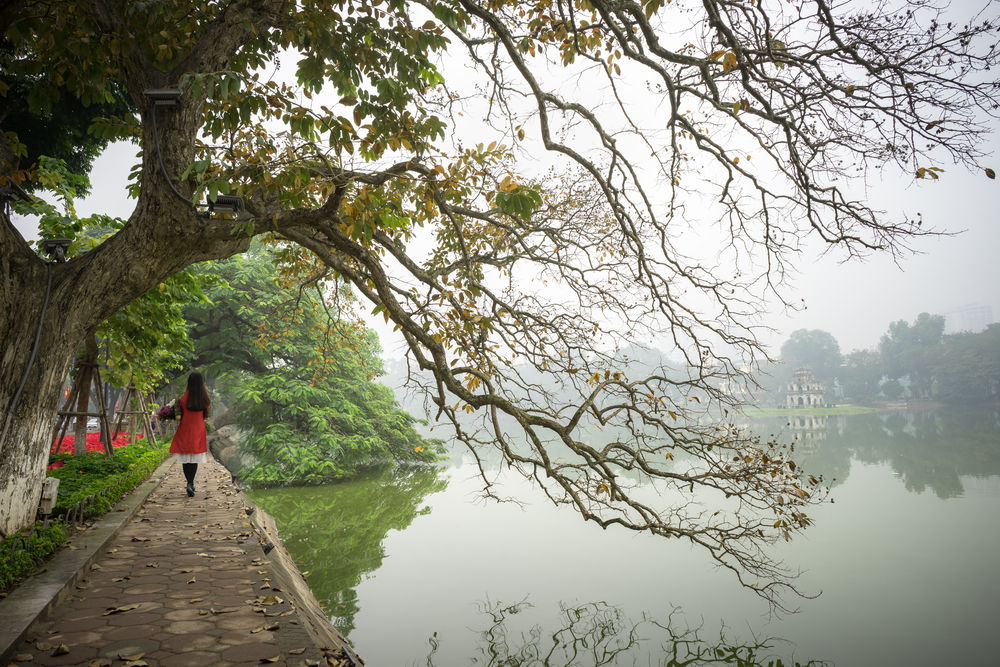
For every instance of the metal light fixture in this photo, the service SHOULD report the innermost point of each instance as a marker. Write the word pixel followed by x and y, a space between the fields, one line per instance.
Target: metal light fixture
pixel 226 204
pixel 164 97
pixel 56 247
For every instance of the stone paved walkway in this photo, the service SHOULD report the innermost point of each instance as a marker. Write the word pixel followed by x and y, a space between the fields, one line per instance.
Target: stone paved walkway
pixel 190 586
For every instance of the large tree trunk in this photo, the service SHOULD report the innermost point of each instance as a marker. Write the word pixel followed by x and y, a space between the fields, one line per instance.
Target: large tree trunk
pixel 27 425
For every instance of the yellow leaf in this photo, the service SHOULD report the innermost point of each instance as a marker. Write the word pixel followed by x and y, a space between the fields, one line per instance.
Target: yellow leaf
pixel 669 456
pixel 990 173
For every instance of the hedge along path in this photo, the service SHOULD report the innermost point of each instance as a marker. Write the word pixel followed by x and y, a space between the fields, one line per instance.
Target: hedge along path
pixel 186 584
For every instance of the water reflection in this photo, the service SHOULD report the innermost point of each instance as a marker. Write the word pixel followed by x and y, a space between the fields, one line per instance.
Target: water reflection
pixel 336 532
pixel 926 449
pixel 596 634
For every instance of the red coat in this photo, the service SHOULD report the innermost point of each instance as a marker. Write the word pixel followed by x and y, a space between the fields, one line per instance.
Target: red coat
pixel 190 437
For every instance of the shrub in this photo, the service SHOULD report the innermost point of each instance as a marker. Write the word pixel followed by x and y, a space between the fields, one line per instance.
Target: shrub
pixel 24 561
pixel 94 474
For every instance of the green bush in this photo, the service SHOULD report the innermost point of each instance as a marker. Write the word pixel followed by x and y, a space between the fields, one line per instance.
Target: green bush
pixel 94 473
pixel 24 562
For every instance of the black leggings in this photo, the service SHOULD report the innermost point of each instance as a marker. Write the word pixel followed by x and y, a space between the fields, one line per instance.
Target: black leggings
pixel 190 469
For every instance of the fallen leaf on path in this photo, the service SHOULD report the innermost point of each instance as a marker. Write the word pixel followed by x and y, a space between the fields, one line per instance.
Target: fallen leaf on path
pixel 116 610
pixel 112 551
pixel 192 580
pixel 136 663
pixel 269 600
pixel 274 659
pixel 134 656
pixel 296 651
pixel 286 613
pixel 272 627
pixel 256 630
pixel 43 646
pixel 23 657
pixel 75 548
pixel 100 662
pixel 225 610
pixel 195 600
pixel 202 612
pixel 140 539
pixel 62 649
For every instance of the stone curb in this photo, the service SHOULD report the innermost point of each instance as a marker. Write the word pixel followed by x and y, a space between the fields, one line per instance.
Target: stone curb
pixel 287 573
pixel 33 601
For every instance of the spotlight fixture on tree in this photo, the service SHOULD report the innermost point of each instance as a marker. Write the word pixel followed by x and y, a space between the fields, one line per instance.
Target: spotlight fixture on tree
pixel 164 97
pixel 57 248
pixel 226 204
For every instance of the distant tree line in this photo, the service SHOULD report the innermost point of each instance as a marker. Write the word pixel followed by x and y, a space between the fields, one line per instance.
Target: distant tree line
pixel 912 360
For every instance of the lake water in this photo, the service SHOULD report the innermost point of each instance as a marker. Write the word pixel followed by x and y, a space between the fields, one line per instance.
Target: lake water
pixel 415 570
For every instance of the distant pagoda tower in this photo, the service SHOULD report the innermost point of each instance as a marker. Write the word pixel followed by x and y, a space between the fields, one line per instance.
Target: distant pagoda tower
pixel 804 390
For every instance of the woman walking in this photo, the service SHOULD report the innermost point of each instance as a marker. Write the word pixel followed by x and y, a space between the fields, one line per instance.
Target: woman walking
pixel 190 443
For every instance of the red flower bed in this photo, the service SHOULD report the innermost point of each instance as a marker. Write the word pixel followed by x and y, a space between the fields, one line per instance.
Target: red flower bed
pixel 93 442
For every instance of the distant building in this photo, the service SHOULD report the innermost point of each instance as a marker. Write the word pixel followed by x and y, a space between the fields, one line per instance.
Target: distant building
pixel 804 389
pixel 972 317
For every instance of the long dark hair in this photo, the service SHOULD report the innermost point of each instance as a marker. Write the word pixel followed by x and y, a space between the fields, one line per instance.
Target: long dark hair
pixel 197 396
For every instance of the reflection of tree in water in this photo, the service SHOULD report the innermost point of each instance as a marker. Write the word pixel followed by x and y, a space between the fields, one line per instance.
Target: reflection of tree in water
pixel 336 531
pixel 929 449
pixel 597 633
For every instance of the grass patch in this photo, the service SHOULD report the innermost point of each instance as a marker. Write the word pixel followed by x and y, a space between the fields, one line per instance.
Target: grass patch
pixel 809 412
pixel 24 562
pixel 109 478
